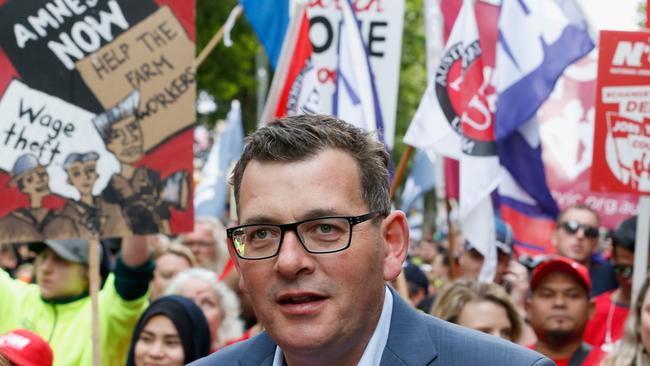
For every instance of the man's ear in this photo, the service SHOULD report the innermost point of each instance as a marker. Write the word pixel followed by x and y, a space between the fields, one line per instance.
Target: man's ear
pixel 235 261
pixel 395 235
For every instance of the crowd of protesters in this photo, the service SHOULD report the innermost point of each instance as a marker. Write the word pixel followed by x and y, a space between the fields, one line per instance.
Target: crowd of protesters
pixel 173 300
pixel 575 306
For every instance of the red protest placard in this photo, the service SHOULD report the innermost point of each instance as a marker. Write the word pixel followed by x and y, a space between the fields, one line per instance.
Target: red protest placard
pixel 621 157
pixel 97 106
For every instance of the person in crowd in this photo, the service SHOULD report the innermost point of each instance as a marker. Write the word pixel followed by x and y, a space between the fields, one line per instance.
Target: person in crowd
pixel 172 332
pixel 217 301
pixel 170 261
pixel 482 306
pixel 418 287
pixel 424 251
pixel 611 308
pixel 21 347
pixel 559 308
pixel 58 306
pixel 9 258
pixel 505 241
pixel 576 236
pixel 471 260
pixel 634 349
pixel 317 243
pixel 440 272
pixel 208 243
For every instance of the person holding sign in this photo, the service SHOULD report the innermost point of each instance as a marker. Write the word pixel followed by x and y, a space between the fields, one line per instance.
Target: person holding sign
pixel 93 216
pixel 31 178
pixel 143 196
pixel 58 306
pixel 316 245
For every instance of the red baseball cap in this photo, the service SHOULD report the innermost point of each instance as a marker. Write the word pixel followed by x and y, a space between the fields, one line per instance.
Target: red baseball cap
pixel 25 348
pixel 564 265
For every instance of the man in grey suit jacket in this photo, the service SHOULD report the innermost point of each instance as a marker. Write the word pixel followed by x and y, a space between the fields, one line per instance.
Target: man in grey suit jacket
pixel 317 243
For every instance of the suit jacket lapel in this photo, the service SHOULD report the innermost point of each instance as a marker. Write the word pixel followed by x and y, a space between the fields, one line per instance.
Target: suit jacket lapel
pixel 409 340
pixel 260 351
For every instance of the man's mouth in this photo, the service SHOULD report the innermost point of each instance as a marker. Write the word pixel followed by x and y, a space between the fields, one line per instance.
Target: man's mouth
pixel 299 299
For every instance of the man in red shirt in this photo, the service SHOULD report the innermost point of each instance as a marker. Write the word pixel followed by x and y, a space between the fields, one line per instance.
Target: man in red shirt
pixel 559 308
pixel 612 307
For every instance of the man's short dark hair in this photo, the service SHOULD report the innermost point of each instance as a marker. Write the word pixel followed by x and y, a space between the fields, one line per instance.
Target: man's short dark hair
pixel 578 206
pixel 298 138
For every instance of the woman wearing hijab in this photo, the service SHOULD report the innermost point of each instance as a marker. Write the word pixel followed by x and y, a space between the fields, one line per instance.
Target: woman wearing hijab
pixel 172 331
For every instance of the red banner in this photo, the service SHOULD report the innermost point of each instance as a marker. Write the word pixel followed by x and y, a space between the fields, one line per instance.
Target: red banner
pixel 622 133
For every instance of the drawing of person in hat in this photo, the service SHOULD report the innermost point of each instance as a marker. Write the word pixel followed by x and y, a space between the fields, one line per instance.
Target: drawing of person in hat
pixel 34 222
pixel 144 197
pixel 93 216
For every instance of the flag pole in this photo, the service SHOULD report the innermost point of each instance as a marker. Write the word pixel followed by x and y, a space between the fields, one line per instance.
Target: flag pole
pixel 451 238
pixel 642 226
pixel 93 274
pixel 216 38
pixel 401 169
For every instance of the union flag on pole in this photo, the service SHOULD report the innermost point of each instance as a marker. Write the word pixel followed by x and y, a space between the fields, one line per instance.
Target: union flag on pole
pixel 455 119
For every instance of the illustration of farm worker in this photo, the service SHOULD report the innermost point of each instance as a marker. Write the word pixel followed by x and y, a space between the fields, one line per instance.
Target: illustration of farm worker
pixel 34 222
pixel 145 198
pixel 92 215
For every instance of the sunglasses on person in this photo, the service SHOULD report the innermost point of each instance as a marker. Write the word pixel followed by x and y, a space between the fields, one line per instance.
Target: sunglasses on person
pixel 572 227
pixel 624 270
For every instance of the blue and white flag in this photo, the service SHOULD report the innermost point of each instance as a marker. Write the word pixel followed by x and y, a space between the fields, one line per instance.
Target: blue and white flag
pixel 421 180
pixel 355 97
pixel 269 19
pixel 211 194
pixel 537 41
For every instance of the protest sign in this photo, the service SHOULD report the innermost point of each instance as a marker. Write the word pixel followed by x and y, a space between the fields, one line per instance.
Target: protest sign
pixel 56 34
pixel 622 133
pixel 567 129
pixel 95 136
pixel 154 57
pixel 381 29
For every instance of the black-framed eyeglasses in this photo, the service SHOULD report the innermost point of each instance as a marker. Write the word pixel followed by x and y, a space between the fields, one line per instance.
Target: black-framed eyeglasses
pixel 624 270
pixel 320 235
pixel 572 227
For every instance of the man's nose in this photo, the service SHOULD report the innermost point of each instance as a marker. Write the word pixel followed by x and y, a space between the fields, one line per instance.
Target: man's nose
pixel 293 259
pixel 559 301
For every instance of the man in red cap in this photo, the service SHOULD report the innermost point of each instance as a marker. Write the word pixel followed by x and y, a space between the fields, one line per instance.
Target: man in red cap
pixel 24 348
pixel 559 308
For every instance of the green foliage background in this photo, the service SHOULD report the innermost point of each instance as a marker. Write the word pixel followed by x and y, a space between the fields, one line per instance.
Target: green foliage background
pixel 229 72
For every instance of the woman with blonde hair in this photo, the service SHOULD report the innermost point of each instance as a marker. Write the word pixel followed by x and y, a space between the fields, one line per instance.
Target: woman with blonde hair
pixel 482 306
pixel 634 349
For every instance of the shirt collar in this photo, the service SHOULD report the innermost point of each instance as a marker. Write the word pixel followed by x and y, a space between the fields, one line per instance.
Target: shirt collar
pixel 375 348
